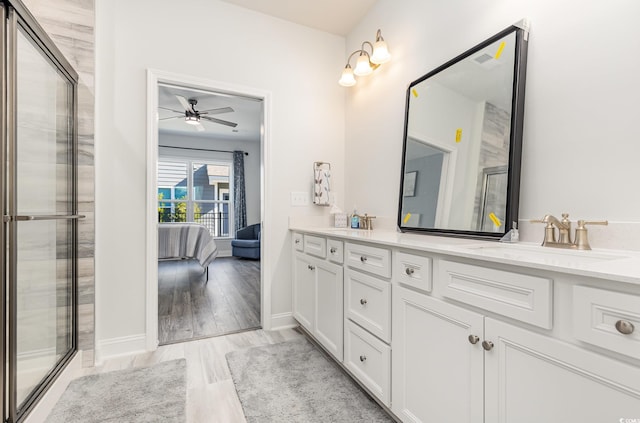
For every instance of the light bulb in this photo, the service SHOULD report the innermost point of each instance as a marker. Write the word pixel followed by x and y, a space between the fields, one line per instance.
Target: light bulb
pixel 347 79
pixel 363 67
pixel 380 52
pixel 192 120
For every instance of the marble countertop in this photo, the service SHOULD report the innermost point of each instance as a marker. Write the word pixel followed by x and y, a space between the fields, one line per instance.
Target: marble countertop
pixel 614 265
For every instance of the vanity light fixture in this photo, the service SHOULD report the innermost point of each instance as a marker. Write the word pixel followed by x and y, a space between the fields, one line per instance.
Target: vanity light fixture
pixel 366 62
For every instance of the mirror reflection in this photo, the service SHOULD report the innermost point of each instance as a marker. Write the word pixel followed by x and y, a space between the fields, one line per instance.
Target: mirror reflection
pixel 458 140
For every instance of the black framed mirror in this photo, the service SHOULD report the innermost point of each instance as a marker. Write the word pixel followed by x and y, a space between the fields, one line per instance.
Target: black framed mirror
pixel 463 142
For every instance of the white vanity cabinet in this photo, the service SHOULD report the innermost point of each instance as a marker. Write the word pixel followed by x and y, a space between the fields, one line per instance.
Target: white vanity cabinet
pixel 453 364
pixel 367 308
pixel 532 378
pixel 437 372
pixel 447 337
pixel 318 296
pixel 304 290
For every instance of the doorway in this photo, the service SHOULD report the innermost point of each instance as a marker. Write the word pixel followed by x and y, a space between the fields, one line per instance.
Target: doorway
pixel 196 182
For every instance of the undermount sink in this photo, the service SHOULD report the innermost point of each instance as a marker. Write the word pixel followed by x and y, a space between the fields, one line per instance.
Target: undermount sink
pixel 546 255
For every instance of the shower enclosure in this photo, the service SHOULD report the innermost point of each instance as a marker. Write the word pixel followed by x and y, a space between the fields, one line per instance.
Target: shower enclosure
pixel 39 202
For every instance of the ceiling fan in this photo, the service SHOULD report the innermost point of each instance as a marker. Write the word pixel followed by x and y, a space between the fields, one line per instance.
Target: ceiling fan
pixel 193 116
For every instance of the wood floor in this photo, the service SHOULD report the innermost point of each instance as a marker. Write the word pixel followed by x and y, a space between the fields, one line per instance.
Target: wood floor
pixel 211 395
pixel 191 308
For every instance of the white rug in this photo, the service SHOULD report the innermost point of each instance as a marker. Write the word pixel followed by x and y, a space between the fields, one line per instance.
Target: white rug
pixel 294 382
pixel 149 394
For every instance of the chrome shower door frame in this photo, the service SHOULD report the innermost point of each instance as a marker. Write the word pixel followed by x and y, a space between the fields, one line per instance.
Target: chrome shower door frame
pixel 15 17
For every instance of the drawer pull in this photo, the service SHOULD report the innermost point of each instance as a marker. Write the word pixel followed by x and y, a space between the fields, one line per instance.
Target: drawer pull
pixel 487 345
pixel 473 339
pixel 311 267
pixel 409 271
pixel 363 301
pixel 624 327
pixel 363 259
pixel 363 358
pixel 333 250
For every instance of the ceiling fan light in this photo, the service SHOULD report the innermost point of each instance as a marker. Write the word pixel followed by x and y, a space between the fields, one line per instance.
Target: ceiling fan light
pixel 192 120
pixel 380 52
pixel 347 79
pixel 363 67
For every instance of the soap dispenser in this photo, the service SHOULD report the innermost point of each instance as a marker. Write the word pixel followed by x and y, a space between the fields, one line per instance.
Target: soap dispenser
pixel 355 220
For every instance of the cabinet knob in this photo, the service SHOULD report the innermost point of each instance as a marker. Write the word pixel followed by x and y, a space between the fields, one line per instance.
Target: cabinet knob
pixel 473 339
pixel 409 271
pixel 487 345
pixel 297 241
pixel 311 267
pixel 363 358
pixel 363 301
pixel 624 327
pixel 363 259
pixel 333 250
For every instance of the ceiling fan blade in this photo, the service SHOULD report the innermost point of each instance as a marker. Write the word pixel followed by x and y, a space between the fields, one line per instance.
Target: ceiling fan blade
pixel 183 101
pixel 199 127
pixel 217 111
pixel 171 110
pixel 219 121
pixel 172 117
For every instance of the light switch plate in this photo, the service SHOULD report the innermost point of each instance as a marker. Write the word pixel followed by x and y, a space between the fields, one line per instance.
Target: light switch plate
pixel 299 198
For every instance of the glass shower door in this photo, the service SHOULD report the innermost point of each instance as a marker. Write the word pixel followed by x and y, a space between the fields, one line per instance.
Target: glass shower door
pixel 41 217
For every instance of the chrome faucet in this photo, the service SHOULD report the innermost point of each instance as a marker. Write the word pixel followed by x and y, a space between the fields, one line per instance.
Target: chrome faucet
pixel 563 226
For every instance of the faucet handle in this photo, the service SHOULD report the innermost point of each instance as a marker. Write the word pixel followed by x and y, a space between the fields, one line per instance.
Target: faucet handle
pixel 549 231
pixel 581 223
pixel 582 240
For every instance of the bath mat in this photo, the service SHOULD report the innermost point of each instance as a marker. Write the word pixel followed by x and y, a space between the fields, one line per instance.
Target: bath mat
pixel 149 394
pixel 294 382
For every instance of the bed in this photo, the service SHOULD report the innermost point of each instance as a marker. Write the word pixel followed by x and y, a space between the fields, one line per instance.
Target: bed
pixel 186 241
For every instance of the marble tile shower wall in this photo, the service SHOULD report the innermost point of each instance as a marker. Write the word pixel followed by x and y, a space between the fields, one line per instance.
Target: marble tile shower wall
pixel 71 24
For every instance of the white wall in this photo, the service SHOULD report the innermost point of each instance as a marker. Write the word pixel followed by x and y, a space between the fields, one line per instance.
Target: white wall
pixel 581 144
pixel 297 65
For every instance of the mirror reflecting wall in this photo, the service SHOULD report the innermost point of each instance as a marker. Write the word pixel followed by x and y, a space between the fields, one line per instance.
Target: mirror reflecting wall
pixel 461 161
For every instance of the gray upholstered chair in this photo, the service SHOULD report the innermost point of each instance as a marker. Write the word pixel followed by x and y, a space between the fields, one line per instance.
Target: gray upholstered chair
pixel 247 242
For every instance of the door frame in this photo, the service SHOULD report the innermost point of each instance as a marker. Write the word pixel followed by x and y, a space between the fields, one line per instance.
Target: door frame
pixel 447 176
pixel 154 77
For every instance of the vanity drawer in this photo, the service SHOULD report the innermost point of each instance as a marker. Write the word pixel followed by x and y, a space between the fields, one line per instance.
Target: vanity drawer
pixel 597 313
pixel 315 245
pixel 335 251
pixel 522 297
pixel 413 271
pixel 368 303
pixel 369 360
pixel 370 259
pixel 298 243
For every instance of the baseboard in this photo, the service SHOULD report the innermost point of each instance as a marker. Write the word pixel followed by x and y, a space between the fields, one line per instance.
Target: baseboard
pixel 40 411
pixel 283 321
pixel 124 345
pixel 224 253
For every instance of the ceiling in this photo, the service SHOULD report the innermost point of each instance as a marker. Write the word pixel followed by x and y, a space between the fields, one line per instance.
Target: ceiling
pixel 247 113
pixel 334 16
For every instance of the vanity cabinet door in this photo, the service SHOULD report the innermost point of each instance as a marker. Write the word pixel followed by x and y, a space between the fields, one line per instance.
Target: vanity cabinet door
pixel 329 308
pixel 304 291
pixel 531 378
pixel 437 372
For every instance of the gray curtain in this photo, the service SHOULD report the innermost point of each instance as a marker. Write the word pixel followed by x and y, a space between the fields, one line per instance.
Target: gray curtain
pixel 239 198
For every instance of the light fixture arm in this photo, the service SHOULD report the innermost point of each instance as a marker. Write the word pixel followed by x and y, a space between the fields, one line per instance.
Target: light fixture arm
pixel 370 46
pixel 360 51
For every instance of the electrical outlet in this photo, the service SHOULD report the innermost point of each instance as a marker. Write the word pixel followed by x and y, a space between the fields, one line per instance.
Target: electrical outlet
pixel 299 198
